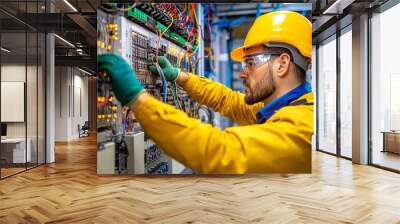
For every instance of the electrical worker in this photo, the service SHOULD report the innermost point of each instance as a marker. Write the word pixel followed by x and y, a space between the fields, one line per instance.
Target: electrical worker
pixel 275 114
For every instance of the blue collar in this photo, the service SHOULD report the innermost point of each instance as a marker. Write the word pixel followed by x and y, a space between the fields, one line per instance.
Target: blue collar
pixel 268 110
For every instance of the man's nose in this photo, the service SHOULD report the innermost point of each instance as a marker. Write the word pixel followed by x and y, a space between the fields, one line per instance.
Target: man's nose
pixel 243 75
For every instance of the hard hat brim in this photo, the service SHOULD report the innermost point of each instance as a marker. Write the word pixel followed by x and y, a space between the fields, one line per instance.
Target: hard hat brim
pixel 238 53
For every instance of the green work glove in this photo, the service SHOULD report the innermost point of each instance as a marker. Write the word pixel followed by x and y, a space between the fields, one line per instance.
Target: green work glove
pixel 170 72
pixel 123 79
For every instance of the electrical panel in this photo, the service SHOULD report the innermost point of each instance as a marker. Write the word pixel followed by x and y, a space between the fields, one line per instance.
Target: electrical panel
pixel 139 34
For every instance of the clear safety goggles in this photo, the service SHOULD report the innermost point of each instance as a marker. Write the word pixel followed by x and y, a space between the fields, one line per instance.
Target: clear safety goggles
pixel 252 62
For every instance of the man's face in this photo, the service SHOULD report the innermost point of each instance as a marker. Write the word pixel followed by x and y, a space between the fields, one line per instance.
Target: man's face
pixel 259 82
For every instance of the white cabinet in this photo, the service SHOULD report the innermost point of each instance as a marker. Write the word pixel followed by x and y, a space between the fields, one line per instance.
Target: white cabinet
pixel 136 147
pixel 106 158
pixel 17 146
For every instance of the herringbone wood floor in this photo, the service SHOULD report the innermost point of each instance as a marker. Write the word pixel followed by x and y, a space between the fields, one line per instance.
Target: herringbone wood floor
pixel 69 191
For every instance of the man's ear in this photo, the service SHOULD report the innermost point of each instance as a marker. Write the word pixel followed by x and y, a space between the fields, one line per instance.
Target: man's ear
pixel 283 65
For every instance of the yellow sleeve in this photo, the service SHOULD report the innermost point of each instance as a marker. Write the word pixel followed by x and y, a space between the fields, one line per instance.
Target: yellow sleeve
pixel 221 99
pixel 283 146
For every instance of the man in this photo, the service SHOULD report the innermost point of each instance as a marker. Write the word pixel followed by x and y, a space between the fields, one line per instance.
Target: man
pixel 275 114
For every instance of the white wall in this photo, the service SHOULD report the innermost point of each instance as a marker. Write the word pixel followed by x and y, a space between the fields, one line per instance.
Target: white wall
pixel 71 102
pixel 62 81
pixel 80 110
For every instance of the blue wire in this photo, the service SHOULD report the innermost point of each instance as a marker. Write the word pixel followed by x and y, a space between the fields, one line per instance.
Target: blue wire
pixel 229 23
pixel 184 59
pixel 164 83
pixel 205 13
pixel 258 13
pixel 126 120
pixel 277 6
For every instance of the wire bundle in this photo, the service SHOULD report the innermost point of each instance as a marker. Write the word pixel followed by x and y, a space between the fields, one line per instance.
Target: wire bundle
pixel 175 96
pixel 164 81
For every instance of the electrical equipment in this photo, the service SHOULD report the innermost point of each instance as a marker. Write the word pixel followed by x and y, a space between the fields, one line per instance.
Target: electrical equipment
pixel 205 114
pixel 140 33
pixel 177 23
pixel 153 157
pixel 111 148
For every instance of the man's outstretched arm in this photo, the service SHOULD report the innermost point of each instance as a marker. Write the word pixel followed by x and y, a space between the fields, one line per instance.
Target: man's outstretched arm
pixel 220 98
pixel 212 94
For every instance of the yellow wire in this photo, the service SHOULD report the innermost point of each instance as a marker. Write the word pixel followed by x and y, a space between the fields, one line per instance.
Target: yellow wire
pixel 161 34
pixel 172 21
pixel 180 57
pixel 197 39
pixel 184 9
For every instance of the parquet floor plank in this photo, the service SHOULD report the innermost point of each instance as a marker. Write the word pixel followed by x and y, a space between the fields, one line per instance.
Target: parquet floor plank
pixel 70 191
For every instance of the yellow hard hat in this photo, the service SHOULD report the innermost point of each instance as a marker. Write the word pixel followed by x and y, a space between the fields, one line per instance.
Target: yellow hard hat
pixel 278 27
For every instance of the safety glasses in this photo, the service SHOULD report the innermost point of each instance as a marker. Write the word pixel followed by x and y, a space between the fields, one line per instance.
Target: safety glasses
pixel 252 62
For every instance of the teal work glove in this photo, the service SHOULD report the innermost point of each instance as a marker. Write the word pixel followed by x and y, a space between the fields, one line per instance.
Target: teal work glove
pixel 123 79
pixel 170 72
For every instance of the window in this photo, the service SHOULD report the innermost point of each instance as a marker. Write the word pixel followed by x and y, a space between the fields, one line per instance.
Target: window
pixel 22 76
pixel 327 95
pixel 385 89
pixel 346 92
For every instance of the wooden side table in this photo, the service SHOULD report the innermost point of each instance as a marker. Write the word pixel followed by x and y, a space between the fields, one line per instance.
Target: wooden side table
pixel 391 141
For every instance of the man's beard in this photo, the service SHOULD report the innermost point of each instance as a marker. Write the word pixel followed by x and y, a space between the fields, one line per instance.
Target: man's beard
pixel 262 89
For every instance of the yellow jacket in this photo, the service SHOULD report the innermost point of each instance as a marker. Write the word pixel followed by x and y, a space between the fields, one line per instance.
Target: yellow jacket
pixel 280 145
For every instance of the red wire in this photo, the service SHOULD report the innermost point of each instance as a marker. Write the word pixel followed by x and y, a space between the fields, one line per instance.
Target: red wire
pixel 190 14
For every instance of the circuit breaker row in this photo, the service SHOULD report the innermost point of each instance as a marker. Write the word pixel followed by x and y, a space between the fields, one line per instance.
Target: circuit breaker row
pixel 161 168
pixel 143 52
pixel 151 153
pixel 156 162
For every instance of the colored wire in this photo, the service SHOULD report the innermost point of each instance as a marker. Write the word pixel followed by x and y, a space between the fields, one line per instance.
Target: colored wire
pixel 126 126
pixel 186 50
pixel 176 94
pixel 190 43
pixel 198 30
pixel 172 21
pixel 210 51
pixel 183 11
pixel 164 82
pixel 160 35
pixel 197 23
